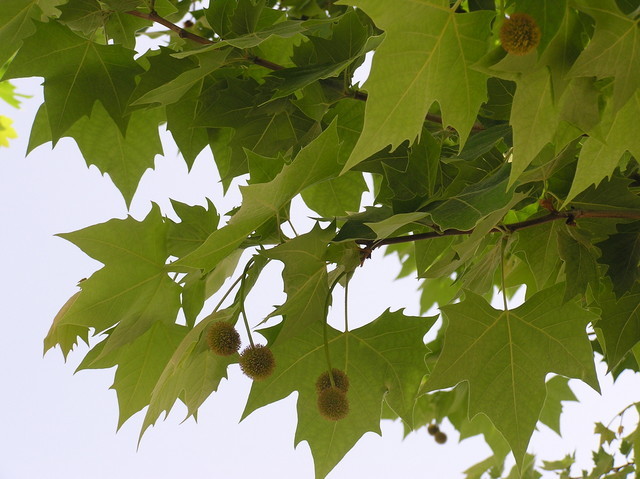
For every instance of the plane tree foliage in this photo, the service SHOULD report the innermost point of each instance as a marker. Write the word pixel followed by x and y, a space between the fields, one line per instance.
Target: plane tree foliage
pixel 490 172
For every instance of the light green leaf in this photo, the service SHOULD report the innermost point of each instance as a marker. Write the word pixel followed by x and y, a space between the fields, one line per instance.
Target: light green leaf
pixel 505 356
pixel 132 291
pixel 434 49
pixel 580 266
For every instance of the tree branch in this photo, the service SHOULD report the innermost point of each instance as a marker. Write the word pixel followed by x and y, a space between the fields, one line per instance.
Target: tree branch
pixel 568 216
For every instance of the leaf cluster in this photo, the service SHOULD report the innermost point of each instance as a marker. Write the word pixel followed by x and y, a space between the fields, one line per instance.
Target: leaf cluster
pixel 486 170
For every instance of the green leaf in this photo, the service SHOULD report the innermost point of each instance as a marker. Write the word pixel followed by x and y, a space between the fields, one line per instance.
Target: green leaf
pixel 337 196
pixel 607 54
pixel 620 324
pixel 140 364
pixel 384 360
pixel 540 250
pixel 431 45
pixel 16 23
pixel 464 210
pixel 85 16
pixel 132 291
pixel 316 162
pixel 580 266
pixel 621 253
pixel 505 356
pixel 558 390
pixel 598 158
pixel 195 226
pixel 534 119
pixel 77 73
pixel 192 373
pixel 305 281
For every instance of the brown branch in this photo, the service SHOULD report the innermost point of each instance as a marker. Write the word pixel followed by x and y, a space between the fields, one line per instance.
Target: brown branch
pixel 182 33
pixel 358 95
pixel 568 216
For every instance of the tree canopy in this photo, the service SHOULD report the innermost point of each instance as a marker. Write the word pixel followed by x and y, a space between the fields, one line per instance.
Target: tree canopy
pixel 499 141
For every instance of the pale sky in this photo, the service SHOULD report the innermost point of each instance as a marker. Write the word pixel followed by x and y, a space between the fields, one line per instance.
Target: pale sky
pixel 58 425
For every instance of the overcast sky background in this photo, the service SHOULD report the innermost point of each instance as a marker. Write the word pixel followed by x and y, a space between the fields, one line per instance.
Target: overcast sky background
pixel 55 424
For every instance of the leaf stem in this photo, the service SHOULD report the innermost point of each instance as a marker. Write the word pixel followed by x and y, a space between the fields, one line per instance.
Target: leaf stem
pixel 242 310
pixel 346 304
pixel 504 289
pixel 456 5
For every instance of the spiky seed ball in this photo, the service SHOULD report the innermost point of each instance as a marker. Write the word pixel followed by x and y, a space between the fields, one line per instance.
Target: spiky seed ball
pixel 433 429
pixel 440 437
pixel 333 404
pixel 339 377
pixel 257 362
pixel 519 34
pixel 223 339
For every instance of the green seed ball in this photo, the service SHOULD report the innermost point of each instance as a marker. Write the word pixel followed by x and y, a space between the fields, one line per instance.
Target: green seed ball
pixel 433 429
pixel 333 404
pixel 440 437
pixel 223 339
pixel 257 362
pixel 339 377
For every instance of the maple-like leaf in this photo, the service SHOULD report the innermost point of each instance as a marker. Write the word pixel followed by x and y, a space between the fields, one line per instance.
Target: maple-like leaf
pixel 133 289
pixel 316 162
pixel 77 73
pixel 620 324
pixel 505 356
pixel 614 50
pixel 430 49
pixel 384 360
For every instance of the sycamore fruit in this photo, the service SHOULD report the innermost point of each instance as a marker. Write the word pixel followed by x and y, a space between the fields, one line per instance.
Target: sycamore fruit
pixel 440 437
pixel 339 378
pixel 223 339
pixel 433 429
pixel 333 403
pixel 519 34
pixel 257 362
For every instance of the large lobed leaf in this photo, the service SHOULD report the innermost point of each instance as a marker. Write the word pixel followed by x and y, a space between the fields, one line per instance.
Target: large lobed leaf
pixel 506 355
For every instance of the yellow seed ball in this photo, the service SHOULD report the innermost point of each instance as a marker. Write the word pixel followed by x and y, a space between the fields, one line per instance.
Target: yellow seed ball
pixel 519 34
